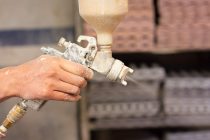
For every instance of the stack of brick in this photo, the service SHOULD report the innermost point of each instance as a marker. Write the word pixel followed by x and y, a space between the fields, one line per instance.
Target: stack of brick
pixel 191 135
pixel 136 31
pixel 187 95
pixel 108 100
pixel 184 24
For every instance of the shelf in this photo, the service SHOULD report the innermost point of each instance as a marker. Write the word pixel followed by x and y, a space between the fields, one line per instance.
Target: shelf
pixel 153 122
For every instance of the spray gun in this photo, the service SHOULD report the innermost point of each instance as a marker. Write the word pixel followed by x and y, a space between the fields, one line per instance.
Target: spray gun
pixel 115 70
pixel 97 55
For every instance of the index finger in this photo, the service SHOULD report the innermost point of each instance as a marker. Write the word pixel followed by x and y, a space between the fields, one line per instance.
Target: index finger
pixel 76 69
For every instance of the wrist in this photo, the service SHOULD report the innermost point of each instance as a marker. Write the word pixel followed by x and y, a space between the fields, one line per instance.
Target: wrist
pixel 8 82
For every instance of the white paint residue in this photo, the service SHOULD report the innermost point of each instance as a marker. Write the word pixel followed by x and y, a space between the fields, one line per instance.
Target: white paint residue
pixel 7 72
pixel 42 59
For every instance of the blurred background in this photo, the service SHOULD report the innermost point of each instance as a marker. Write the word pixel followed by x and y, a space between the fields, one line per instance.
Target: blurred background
pixel 167 42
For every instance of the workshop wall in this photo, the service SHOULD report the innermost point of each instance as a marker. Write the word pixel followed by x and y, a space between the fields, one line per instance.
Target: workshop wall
pixel 25 26
pixel 56 120
pixel 28 24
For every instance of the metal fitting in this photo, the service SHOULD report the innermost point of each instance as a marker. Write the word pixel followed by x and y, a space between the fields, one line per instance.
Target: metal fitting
pixel 119 72
pixel 100 61
pixel 16 113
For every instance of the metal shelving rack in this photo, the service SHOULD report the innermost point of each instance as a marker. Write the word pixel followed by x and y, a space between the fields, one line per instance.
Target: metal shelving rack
pixel 171 59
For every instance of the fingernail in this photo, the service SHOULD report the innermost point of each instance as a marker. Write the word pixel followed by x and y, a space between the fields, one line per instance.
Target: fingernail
pixel 71 98
pixel 77 98
pixel 89 73
pixel 83 86
pixel 67 98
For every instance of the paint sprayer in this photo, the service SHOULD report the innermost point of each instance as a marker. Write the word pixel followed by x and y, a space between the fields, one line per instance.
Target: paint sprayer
pixel 103 16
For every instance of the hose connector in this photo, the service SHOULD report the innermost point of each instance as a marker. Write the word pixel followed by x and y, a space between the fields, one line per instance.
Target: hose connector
pixel 118 72
pixel 16 113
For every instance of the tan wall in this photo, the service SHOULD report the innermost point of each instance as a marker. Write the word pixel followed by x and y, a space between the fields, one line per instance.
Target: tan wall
pixel 16 14
pixel 57 120
pixel 10 56
pixel 29 15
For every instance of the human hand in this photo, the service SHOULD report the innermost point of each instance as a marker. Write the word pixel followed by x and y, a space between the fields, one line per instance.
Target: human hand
pixel 45 78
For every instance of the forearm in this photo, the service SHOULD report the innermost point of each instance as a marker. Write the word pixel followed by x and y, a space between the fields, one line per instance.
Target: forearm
pixel 7 83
